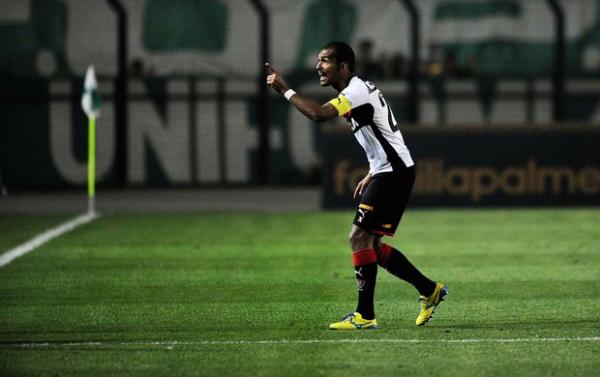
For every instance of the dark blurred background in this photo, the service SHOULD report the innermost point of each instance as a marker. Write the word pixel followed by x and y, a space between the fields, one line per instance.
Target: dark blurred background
pixel 498 100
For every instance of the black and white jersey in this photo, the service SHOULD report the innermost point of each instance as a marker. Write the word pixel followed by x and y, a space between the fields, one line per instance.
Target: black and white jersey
pixel 373 125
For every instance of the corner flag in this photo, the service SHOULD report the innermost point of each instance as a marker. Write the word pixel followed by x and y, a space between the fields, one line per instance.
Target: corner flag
pixel 90 102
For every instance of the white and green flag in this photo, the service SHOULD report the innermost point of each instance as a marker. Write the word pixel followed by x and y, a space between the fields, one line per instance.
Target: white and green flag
pixel 90 100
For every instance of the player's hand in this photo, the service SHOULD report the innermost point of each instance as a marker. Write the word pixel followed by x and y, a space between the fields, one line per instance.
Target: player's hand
pixel 361 186
pixel 275 80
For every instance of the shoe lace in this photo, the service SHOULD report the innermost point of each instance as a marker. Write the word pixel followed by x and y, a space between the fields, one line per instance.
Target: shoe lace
pixel 348 317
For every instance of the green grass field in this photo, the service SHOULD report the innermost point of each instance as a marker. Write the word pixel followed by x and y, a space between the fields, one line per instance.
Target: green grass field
pixel 252 295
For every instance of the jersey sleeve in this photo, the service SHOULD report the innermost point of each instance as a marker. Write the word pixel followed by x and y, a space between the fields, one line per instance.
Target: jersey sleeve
pixel 356 94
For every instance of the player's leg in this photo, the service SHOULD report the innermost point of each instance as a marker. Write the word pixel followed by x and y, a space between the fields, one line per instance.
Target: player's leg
pixel 384 203
pixel 364 257
pixel 396 263
pixel 431 293
pixel 365 270
pixel 393 260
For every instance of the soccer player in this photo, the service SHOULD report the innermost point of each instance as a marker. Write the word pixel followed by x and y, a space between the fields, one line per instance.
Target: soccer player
pixel 383 192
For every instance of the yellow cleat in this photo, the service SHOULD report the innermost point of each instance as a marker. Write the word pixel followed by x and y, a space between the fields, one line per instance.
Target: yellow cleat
pixel 354 321
pixel 428 304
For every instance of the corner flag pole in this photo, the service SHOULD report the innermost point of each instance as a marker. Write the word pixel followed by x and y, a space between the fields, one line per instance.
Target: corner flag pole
pixel 90 102
pixel 91 164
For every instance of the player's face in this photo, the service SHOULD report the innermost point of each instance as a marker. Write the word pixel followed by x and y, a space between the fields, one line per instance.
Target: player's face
pixel 327 68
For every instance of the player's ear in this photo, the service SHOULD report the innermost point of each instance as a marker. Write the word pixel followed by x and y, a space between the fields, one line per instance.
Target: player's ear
pixel 344 65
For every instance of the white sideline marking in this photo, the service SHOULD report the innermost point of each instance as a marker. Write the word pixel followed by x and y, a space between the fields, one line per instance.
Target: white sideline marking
pixel 171 344
pixel 42 238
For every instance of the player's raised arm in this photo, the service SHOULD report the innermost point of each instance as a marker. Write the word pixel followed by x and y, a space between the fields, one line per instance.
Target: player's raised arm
pixel 307 106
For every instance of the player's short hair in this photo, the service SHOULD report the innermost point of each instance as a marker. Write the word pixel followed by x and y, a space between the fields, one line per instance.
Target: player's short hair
pixel 342 53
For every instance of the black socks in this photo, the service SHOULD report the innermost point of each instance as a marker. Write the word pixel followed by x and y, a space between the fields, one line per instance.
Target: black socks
pixel 397 264
pixel 365 271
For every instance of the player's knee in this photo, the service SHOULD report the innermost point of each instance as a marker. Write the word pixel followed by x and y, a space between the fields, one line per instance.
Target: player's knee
pixel 360 239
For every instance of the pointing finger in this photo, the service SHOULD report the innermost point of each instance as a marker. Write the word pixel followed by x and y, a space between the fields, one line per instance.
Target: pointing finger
pixel 270 68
